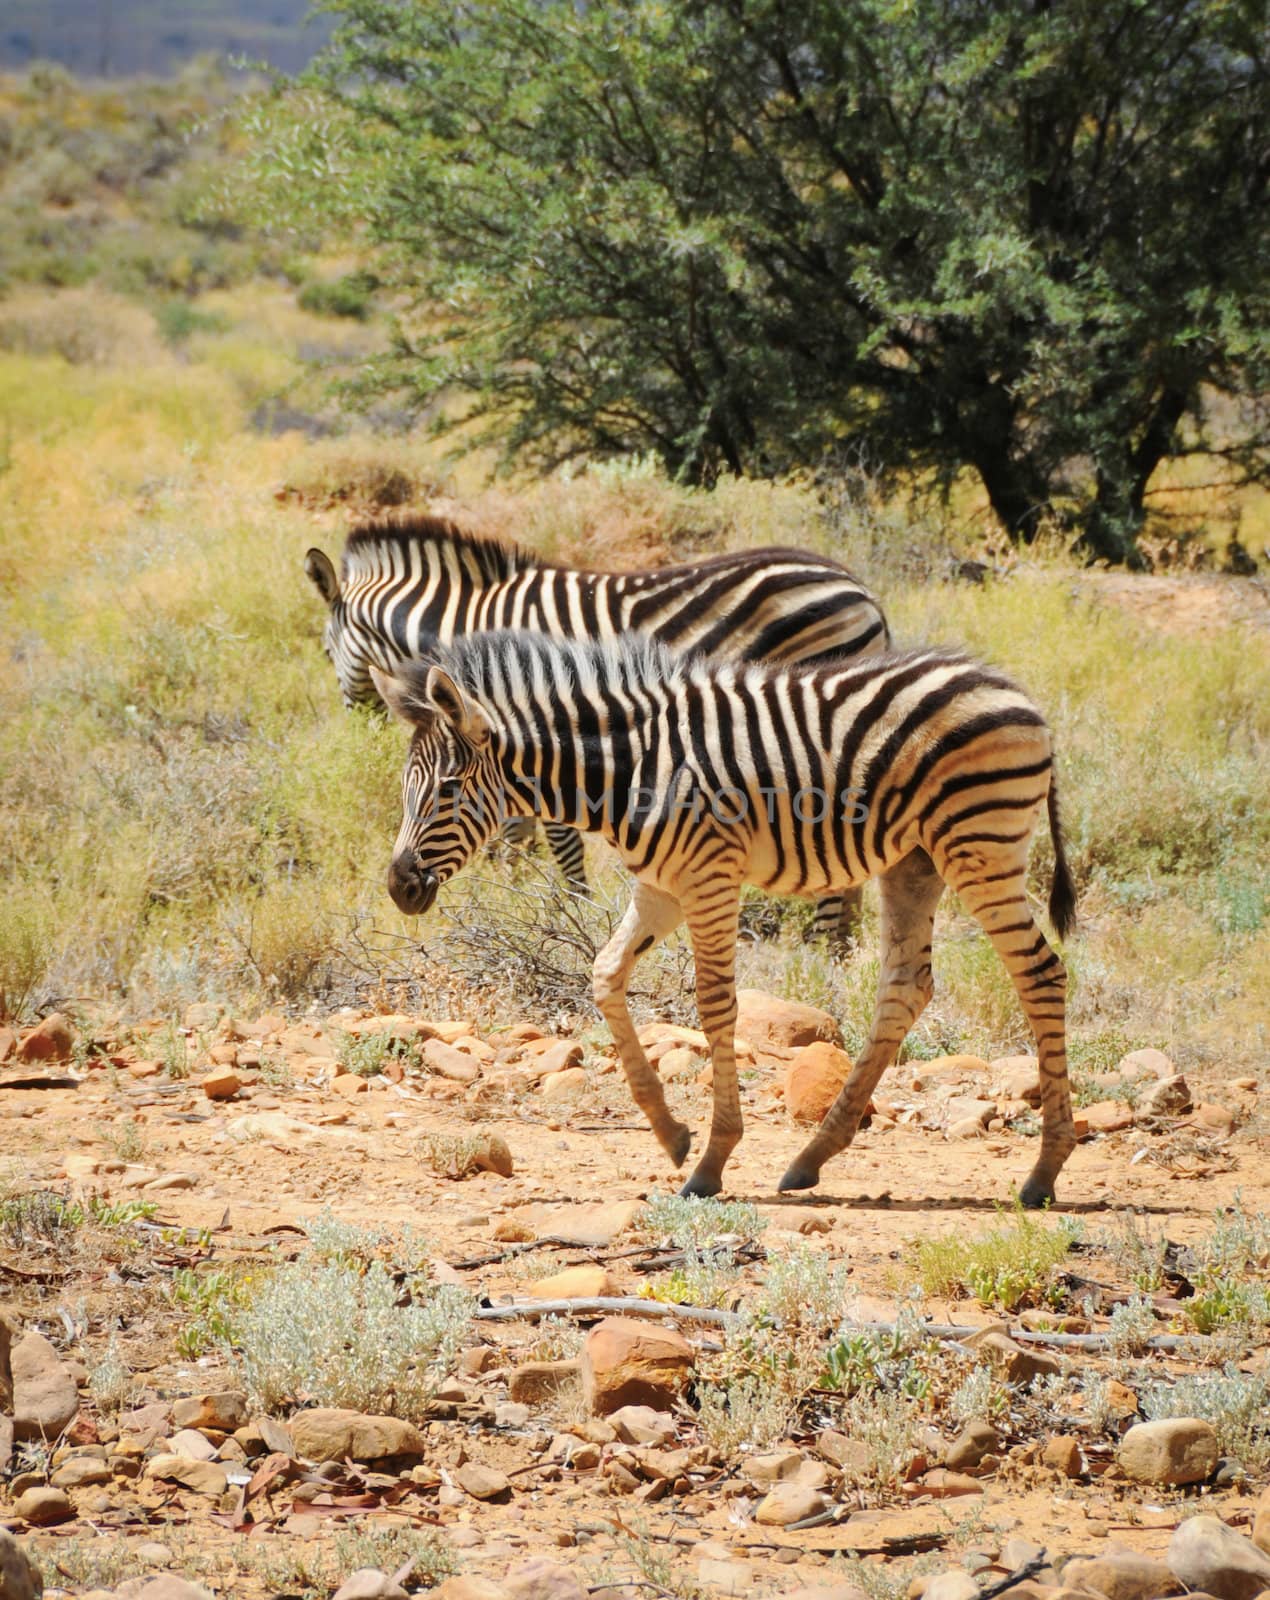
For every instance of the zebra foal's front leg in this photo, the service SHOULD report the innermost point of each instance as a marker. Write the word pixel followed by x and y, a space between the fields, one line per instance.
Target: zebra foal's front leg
pixel 712 915
pixel 565 845
pixel 650 917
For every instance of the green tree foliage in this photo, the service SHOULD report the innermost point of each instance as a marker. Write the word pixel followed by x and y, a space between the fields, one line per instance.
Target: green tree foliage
pixel 1023 236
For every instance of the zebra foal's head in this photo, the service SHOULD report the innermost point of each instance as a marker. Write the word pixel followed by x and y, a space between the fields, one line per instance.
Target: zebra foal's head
pixel 349 647
pixel 452 799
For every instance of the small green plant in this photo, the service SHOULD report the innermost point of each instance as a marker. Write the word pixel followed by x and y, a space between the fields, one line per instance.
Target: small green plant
pixel 741 1413
pixel 86 1563
pixel 1235 1403
pixel 1132 1327
pixel 451 1155
pixel 349 296
pixel 335 1240
pixel 212 1302
pixel 699 1222
pixel 703 1278
pixel 801 1288
pixel 341 1336
pixel 1229 1305
pixel 26 946
pixel 178 320
pixel 1138 1251
pixel 125 1139
pixel 367 1054
pixel 886 1422
pixel 657 1567
pixel 38 1216
pixel 173 1051
pixel 1010 1266
pixel 111 1380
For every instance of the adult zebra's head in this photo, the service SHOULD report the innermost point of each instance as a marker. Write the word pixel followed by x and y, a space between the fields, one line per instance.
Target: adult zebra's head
pixel 452 797
pixel 350 648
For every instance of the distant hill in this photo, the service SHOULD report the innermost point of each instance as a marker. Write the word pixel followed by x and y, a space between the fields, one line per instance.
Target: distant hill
pixel 154 38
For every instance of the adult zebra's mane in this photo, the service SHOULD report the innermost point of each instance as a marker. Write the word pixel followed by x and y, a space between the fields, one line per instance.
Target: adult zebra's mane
pixel 492 665
pixel 495 558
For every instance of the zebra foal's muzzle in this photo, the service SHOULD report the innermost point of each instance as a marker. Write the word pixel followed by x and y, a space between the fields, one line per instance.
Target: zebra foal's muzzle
pixel 412 889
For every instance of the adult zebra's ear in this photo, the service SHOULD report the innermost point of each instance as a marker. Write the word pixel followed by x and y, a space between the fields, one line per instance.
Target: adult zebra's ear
pixel 321 574
pixel 448 701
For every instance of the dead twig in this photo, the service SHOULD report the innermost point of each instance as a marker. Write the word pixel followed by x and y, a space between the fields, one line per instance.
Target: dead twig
pixel 601 1306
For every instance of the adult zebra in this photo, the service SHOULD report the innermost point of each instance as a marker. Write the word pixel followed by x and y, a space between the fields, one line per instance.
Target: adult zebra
pixel 924 768
pixel 406 583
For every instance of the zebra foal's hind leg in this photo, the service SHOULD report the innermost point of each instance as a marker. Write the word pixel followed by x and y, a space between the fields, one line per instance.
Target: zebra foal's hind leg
pixel 566 847
pixel 910 892
pixel 999 904
pixel 650 917
pixel 837 920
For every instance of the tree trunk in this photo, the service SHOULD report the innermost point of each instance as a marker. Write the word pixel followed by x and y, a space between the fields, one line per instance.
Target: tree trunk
pixel 1017 493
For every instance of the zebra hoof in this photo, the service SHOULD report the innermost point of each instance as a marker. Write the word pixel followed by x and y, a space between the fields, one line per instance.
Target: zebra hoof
pixel 700 1187
pixel 1035 1195
pixel 799 1177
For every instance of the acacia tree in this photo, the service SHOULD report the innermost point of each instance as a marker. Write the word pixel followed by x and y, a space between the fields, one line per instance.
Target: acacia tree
pixel 1023 236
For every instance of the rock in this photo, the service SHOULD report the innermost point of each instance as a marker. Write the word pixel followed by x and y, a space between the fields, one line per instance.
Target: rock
pixel 203 1477
pixel 1261 1523
pixel 629 1362
pixel 541 1579
pixel 1121 1574
pixel 969 1108
pixel 1062 1454
pixel 467 1586
pixel 552 1055
pixel 1174 1451
pixel 814 1079
pixel 1017 1078
pixel 941 1484
pixel 789 1502
pixel 534 1382
pixel 80 1472
pixel 678 1064
pixel 368 1584
pixel 493 1154
pixel 7 1335
pixel 348 1085
pixel 831 1591
pixel 574 1283
pixel 42 1505
pixel 566 1084
pixel 1107 1116
pixel 191 1444
pixel 167 1586
pixel 773 1466
pixel 1120 1400
pixel 45 1396
pixel 1205 1554
pixel 1012 1361
pixel 52 1040
pixel 481 1482
pixel 726 1576
pixel 965 1128
pixel 448 1062
pixel 19 1576
pixel 852 1455
pixel 975 1441
pixel 1167 1097
pixel 222 1083
pixel 767 1021
pixel 329 1434
pixel 644 1426
pixel 6 1443
pixel 1140 1064
pixel 1213 1119
pixel 953 1584
pixel 224 1411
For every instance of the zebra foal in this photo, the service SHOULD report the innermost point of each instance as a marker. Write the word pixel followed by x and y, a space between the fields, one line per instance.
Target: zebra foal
pixel 921 769
pixel 406 583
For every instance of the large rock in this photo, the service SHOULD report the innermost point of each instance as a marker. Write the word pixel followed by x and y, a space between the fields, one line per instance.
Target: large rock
pixel 626 1362
pixel 788 1502
pixel 328 1433
pixel 1174 1451
pixel 52 1040
pixel 535 1382
pixel 541 1579
pixel 643 1426
pixel 955 1583
pixel 781 1025
pixel 586 1282
pixel 19 1576
pixel 369 1584
pixel 1121 1574
pixel 1261 1523
pixel 1166 1097
pixel 223 1411
pixel 1011 1360
pixel 814 1079
pixel 482 1482
pixel 42 1505
pixel 975 1441
pixel 1147 1063
pixel 1205 1554
pixel 202 1477
pixel 45 1397
pixel 448 1062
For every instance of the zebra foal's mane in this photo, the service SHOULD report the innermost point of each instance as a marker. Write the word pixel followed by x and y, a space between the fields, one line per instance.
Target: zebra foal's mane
pixel 496 558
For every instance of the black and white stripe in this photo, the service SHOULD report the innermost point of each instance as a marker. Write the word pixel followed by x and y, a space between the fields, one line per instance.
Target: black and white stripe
pixel 920 769
pixel 406 584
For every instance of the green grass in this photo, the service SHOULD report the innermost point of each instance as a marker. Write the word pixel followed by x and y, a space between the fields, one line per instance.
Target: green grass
pixel 1012 1265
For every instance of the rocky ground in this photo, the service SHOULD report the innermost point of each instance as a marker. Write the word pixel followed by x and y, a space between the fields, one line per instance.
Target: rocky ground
pixel 629 1398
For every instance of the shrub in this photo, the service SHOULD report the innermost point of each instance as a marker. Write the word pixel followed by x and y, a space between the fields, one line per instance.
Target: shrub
pixel 349 296
pixel 1008 1267
pixel 337 1336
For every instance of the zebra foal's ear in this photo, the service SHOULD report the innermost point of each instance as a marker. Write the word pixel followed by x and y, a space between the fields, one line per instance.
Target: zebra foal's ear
pixel 321 574
pixel 404 697
pixel 448 700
